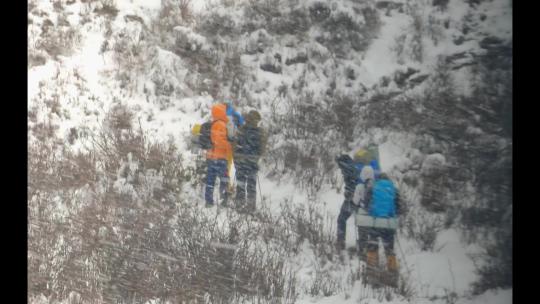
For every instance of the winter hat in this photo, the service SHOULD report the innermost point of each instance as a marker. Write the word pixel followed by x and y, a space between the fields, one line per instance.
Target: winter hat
pixel 362 155
pixel 228 101
pixel 253 117
pixel 383 175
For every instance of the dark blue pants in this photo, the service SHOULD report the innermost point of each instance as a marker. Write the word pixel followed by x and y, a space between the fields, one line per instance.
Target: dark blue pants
pixel 216 168
pixel 347 209
pixel 246 178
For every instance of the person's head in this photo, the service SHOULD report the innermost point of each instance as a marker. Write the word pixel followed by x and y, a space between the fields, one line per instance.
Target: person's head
pixel 383 175
pixel 219 111
pixel 362 156
pixel 228 102
pixel 252 118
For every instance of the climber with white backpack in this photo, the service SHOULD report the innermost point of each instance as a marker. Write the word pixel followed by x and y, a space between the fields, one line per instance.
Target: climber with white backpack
pixel 356 172
pixel 377 217
pixel 374 200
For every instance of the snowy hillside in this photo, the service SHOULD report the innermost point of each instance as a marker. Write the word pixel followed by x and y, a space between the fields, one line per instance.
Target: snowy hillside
pixel 116 209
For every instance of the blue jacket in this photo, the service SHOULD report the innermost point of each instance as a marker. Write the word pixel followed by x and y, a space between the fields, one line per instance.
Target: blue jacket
pixel 237 117
pixel 359 166
pixel 375 165
pixel 383 199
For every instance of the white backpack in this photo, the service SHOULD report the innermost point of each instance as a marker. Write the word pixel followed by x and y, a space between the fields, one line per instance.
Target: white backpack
pixel 366 175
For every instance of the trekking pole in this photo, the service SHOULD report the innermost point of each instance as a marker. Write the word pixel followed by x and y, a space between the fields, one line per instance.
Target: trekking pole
pixel 403 255
pixel 259 183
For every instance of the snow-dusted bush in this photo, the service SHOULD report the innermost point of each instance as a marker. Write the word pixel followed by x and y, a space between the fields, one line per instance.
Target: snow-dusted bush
pixel 342 32
pixel 171 14
pixel 295 22
pixel 434 183
pixel 53 39
pixel 131 53
pixel 426 23
pixel 127 234
pixel 304 153
pixel 217 23
pixel 107 8
pixel 423 227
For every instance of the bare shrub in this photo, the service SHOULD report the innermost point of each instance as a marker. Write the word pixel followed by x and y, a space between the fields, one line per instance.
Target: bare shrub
pixel 417 46
pixel 130 54
pixel 217 24
pixel 117 138
pixel 324 284
pixel 58 40
pixel 107 245
pixel 308 137
pixel 175 12
pixel 423 227
pixel 107 8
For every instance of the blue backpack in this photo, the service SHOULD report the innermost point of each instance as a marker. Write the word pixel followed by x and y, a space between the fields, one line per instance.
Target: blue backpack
pixel 383 199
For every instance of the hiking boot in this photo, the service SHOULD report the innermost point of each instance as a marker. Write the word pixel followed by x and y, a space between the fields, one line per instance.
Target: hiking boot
pixel 372 258
pixel 392 274
pixel 372 274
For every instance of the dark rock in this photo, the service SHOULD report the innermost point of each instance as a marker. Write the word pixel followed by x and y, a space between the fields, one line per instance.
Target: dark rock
pixel 452 58
pixel 300 58
pixel 473 3
pixel 47 23
pixel 277 56
pixel 388 5
pixel 385 81
pixel 134 18
pixel 401 77
pixel 490 42
pixel 418 79
pixel 440 3
pixel 459 40
pixel 319 11
pixel 465 30
pixel 350 74
pixel 462 65
pixel 271 68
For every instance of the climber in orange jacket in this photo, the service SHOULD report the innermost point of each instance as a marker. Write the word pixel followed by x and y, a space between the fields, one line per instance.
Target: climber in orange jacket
pixel 217 156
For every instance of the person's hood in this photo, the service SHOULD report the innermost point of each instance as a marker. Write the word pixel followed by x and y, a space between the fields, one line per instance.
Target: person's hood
pixel 219 112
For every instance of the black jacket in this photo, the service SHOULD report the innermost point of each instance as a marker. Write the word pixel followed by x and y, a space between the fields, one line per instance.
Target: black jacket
pixel 248 143
pixel 350 174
